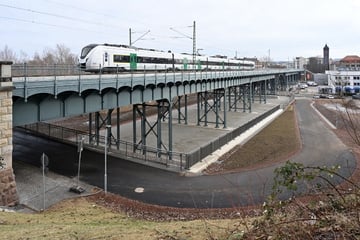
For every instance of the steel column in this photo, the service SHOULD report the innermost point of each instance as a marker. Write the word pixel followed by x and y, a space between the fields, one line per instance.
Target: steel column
pixel 143 128
pixel 225 93
pixel 97 128
pixel 90 129
pixel 170 147
pixel 177 105
pixel 152 128
pixel 265 90
pixel 134 127
pixel 186 109
pixel 214 107
pixel 250 95
pixel 118 128
pixel 100 123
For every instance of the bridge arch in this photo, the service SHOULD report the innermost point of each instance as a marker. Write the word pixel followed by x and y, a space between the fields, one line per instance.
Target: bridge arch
pixel 109 98
pixel 124 96
pixel 26 110
pixel 50 108
pixel 73 104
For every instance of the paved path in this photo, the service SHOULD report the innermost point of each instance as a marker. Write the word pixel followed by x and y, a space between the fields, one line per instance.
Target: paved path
pixel 320 147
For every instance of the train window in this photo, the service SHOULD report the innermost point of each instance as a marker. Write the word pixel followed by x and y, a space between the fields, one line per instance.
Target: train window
pixel 117 58
pixel 121 59
pixel 106 57
pixel 85 51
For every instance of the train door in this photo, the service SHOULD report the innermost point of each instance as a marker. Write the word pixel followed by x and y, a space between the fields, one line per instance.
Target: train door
pixel 185 63
pixel 106 61
pixel 173 62
pixel 198 64
pixel 133 61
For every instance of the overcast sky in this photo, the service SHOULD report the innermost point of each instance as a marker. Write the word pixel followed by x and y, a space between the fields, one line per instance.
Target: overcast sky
pixel 283 29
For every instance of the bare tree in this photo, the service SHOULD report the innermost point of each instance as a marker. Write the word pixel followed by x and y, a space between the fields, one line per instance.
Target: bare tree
pixel 60 55
pixel 351 120
pixel 8 55
pixel 48 57
pixel 23 57
pixel 63 55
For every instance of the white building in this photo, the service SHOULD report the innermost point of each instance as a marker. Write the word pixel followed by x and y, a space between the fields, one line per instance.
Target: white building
pixel 300 62
pixel 346 78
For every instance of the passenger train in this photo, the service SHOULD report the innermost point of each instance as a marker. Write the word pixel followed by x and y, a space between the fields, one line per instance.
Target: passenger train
pixel 112 58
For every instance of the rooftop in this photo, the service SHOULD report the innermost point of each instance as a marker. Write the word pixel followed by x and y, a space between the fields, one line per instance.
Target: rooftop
pixel 350 59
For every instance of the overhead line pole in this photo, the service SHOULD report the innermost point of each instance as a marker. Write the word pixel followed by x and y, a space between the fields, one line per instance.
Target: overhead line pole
pixel 130 37
pixel 194 42
pixel 194 46
pixel 139 38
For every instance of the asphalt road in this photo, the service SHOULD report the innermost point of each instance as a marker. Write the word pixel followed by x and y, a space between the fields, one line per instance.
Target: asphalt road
pixel 320 147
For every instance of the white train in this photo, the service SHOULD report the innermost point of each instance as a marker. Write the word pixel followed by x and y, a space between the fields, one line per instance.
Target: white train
pixel 112 58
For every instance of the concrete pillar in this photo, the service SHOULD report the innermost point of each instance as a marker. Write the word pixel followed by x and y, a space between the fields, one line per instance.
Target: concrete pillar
pixel 8 193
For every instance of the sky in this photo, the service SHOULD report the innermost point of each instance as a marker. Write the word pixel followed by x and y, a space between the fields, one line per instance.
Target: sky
pixel 279 29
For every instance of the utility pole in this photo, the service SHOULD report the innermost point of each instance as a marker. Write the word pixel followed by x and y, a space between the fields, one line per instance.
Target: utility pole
pixel 130 37
pixel 193 38
pixel 194 46
pixel 139 38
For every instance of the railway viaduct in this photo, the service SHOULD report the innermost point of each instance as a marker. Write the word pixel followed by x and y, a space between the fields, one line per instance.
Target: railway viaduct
pixel 31 100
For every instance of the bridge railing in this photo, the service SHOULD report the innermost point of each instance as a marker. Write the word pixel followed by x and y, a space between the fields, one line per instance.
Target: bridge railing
pixel 32 70
pixel 133 151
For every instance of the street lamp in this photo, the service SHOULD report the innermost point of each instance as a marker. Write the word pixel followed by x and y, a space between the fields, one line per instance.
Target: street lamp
pixel 108 128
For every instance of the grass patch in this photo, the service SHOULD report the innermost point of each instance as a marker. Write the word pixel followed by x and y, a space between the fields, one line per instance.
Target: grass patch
pixel 277 141
pixel 81 218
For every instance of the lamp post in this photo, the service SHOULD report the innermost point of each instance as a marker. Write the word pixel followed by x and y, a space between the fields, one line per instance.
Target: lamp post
pixel 80 149
pixel 108 127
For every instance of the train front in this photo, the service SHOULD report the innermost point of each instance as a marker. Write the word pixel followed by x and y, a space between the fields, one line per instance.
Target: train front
pixel 85 58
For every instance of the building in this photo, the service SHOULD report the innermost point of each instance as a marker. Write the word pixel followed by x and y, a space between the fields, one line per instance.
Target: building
pixel 319 64
pixel 346 78
pixel 300 62
pixel 351 62
pixel 326 58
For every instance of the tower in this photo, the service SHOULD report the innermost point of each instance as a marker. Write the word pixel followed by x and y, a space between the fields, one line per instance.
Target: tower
pixel 326 57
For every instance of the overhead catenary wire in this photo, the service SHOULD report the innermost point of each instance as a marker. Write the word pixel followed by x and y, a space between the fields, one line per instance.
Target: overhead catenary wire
pixel 57 15
pixel 76 19
pixel 48 24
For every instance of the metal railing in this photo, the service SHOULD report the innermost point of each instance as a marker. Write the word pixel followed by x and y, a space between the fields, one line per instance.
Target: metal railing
pixel 30 70
pixel 33 70
pixel 120 148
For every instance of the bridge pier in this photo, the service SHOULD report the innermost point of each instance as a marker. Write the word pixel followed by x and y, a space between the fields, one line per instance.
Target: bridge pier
pixel 212 103
pixel 148 127
pixel 8 192
pixel 272 86
pixel 103 123
pixel 182 116
pixel 239 98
